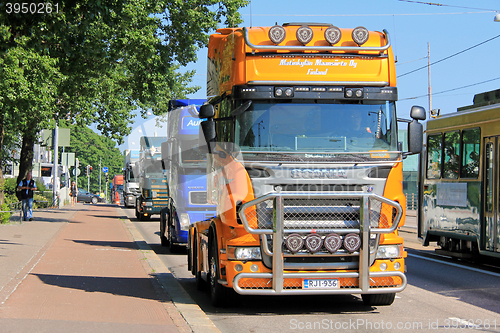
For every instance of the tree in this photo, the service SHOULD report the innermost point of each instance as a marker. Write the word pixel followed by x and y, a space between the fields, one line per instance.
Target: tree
pixel 103 59
pixel 90 147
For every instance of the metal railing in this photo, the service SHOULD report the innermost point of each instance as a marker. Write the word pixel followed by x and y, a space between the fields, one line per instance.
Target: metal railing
pixel 369 222
pixel 411 201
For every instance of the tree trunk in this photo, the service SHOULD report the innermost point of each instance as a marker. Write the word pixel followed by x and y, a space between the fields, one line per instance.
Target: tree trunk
pixel 26 158
pixel 2 181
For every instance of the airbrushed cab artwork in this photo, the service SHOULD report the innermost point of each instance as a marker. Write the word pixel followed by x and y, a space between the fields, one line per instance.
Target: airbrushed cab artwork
pixel 303 164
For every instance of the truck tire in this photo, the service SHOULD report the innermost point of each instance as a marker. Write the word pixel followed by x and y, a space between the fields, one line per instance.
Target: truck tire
pixel 163 221
pixel 219 294
pixel 378 299
pixel 174 248
pixel 201 285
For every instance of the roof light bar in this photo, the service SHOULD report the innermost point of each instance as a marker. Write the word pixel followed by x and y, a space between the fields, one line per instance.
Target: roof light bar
pixel 360 35
pixel 304 34
pixel 277 34
pixel 333 35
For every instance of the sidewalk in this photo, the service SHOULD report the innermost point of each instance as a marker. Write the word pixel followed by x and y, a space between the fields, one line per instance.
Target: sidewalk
pixel 79 270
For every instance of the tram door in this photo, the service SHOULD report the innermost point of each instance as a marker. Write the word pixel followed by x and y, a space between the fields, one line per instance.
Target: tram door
pixel 491 232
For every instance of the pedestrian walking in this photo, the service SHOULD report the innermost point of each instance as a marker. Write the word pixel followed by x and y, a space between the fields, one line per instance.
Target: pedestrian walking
pixel 74 193
pixel 27 186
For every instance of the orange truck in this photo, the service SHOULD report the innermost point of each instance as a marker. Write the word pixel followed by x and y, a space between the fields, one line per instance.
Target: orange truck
pixel 304 165
pixel 117 193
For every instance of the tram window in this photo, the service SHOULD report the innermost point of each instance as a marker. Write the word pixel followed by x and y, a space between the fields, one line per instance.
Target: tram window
pixel 434 145
pixel 470 153
pixel 489 177
pixel 451 158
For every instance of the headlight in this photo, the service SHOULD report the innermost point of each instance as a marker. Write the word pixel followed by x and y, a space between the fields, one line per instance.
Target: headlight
pixel 184 221
pixel 147 203
pixel 389 251
pixel 243 253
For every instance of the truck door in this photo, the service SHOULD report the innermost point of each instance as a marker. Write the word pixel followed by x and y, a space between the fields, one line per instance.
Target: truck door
pixel 491 178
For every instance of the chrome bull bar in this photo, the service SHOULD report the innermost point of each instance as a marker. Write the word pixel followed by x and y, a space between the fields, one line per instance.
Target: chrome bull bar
pixel 278 231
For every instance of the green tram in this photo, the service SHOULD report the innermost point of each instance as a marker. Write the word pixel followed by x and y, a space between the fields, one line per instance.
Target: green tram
pixel 459 192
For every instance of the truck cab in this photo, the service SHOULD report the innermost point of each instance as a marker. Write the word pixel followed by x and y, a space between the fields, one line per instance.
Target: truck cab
pixel 184 162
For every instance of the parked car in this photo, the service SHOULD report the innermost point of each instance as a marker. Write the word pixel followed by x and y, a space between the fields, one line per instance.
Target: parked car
pixel 84 196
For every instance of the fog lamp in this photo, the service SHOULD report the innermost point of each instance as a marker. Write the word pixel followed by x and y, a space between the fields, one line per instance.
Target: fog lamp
pixel 383 266
pixel 333 35
pixel 254 268
pixel 332 242
pixel 238 267
pixel 349 93
pixel 359 93
pixel 289 92
pixel 294 243
pixel 313 243
pixel 277 34
pixel 360 35
pixel 304 34
pixel 397 266
pixel 278 92
pixel 352 242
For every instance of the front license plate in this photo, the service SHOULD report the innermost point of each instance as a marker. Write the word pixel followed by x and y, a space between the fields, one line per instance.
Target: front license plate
pixel 320 284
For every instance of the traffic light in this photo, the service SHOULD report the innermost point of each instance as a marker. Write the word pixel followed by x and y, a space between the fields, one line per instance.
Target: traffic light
pixel 87 171
pixel 90 169
pixel 107 177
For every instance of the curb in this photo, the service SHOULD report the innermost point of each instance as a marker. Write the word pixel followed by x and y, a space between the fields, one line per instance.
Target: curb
pixel 197 320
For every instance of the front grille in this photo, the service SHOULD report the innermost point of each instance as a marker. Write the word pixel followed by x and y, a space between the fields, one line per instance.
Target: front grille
pixel 320 188
pixel 198 198
pixel 320 214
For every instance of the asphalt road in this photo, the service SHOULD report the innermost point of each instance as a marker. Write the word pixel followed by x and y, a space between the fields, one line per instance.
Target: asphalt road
pixel 442 295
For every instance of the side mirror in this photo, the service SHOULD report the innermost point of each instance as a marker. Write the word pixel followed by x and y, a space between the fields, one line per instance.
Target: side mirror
pixel 209 134
pixel 206 111
pixel 416 130
pixel 417 112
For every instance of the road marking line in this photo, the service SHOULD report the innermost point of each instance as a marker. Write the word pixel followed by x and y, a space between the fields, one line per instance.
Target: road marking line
pixel 455 265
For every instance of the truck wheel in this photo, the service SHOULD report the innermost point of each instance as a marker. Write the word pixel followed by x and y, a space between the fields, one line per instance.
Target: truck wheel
pixel 201 285
pixel 163 239
pixel 189 256
pixel 218 293
pixel 378 299
pixel 174 248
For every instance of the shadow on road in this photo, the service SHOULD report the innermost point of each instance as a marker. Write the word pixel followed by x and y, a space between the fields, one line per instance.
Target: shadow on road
pixel 133 287
pixel 126 245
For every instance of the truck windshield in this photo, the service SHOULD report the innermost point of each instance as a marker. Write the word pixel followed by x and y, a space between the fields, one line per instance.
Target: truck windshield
pixel 131 176
pixel 154 169
pixel 313 127
pixel 191 154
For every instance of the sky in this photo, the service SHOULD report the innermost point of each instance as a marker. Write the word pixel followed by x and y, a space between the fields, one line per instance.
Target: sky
pixel 451 29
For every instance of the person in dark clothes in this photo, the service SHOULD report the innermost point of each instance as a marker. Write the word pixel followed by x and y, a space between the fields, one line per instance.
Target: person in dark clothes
pixel 27 186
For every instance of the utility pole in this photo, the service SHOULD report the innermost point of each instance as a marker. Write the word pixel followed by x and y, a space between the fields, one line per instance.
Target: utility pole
pixel 429 73
pixel 100 176
pixel 55 171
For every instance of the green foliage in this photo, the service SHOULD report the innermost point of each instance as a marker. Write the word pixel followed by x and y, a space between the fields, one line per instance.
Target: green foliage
pixel 89 147
pixel 96 61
